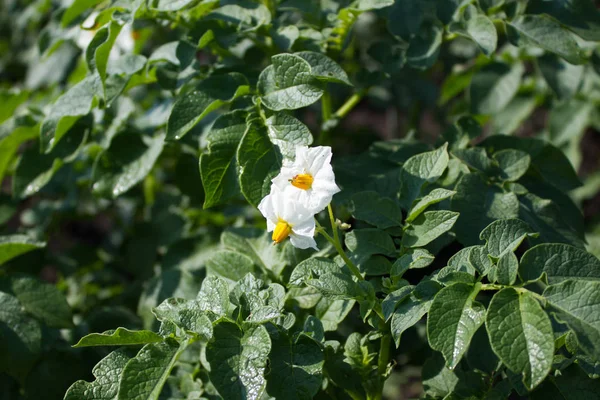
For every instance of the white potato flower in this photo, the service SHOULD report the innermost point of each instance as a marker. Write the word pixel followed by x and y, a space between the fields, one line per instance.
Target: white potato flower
pixel 286 216
pixel 310 175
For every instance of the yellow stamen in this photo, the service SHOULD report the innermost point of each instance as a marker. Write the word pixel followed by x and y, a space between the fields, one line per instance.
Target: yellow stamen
pixel 282 231
pixel 302 181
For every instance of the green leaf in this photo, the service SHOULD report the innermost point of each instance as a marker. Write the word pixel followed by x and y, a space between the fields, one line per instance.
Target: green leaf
pixel 388 305
pixel 559 262
pixel 214 296
pixel 244 14
pixel 296 366
pixel 382 212
pixel 438 380
pixel 549 161
pixel 564 78
pixel 577 303
pixel 312 268
pixel 505 235
pixel 511 117
pixel 35 169
pixel 145 375
pixel 545 217
pixel 107 373
pixel 413 258
pixel 257 245
pixel 476 158
pixel 230 265
pixel 507 269
pixel 169 283
pixel 568 121
pixel 410 311
pixel 580 16
pixel 481 30
pixel 479 259
pixel 424 49
pixel 434 197
pixel 287 133
pixel 73 104
pixel 405 18
pixel 513 164
pixel 99 48
pixel 171 5
pixel 119 337
pixel 480 355
pixel 494 86
pixel 367 5
pixel 452 321
pixel 21 344
pixel 570 384
pixel 43 300
pixel 543 31
pixel 10 141
pixel 479 204
pixel 427 227
pixel 76 8
pixel 369 241
pixel 218 164
pixel 210 94
pixel 188 315
pixel 324 68
pixel 289 83
pixel 125 163
pixel 421 169
pixel 460 260
pixel 259 161
pixel 333 312
pixel 14 245
pixel 238 360
pixel 521 335
pixel 337 286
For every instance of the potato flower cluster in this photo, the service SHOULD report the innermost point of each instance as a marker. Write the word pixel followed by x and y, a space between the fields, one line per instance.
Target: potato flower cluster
pixel 303 188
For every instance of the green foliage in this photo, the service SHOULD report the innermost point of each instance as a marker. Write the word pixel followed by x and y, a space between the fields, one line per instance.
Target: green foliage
pixel 137 139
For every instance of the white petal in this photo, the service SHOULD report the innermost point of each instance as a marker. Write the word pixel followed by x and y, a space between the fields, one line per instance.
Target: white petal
pixel 282 181
pixel 271 225
pixel 301 159
pixel 303 242
pixel 319 201
pixel 297 207
pixel 306 227
pixel 317 158
pixel 267 210
pixel 325 181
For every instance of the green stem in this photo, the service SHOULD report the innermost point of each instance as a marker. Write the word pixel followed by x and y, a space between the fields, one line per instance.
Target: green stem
pixel 326 106
pixel 382 362
pixel 350 103
pixel 384 354
pixel 335 241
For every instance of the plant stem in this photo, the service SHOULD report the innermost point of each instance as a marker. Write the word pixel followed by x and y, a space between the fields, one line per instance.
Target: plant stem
pixel 384 354
pixel 383 361
pixel 350 103
pixel 335 241
pixel 326 106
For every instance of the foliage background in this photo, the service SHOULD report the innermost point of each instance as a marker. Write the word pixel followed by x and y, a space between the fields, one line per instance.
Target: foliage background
pixel 111 219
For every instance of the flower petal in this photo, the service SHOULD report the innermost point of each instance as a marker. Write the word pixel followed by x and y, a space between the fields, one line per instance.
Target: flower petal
pixel 316 158
pixel 303 242
pixel 282 181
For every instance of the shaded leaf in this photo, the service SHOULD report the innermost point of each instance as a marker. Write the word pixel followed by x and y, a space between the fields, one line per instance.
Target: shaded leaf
pixel 521 335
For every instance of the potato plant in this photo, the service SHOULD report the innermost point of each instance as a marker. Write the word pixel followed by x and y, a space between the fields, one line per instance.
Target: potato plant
pixel 297 199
